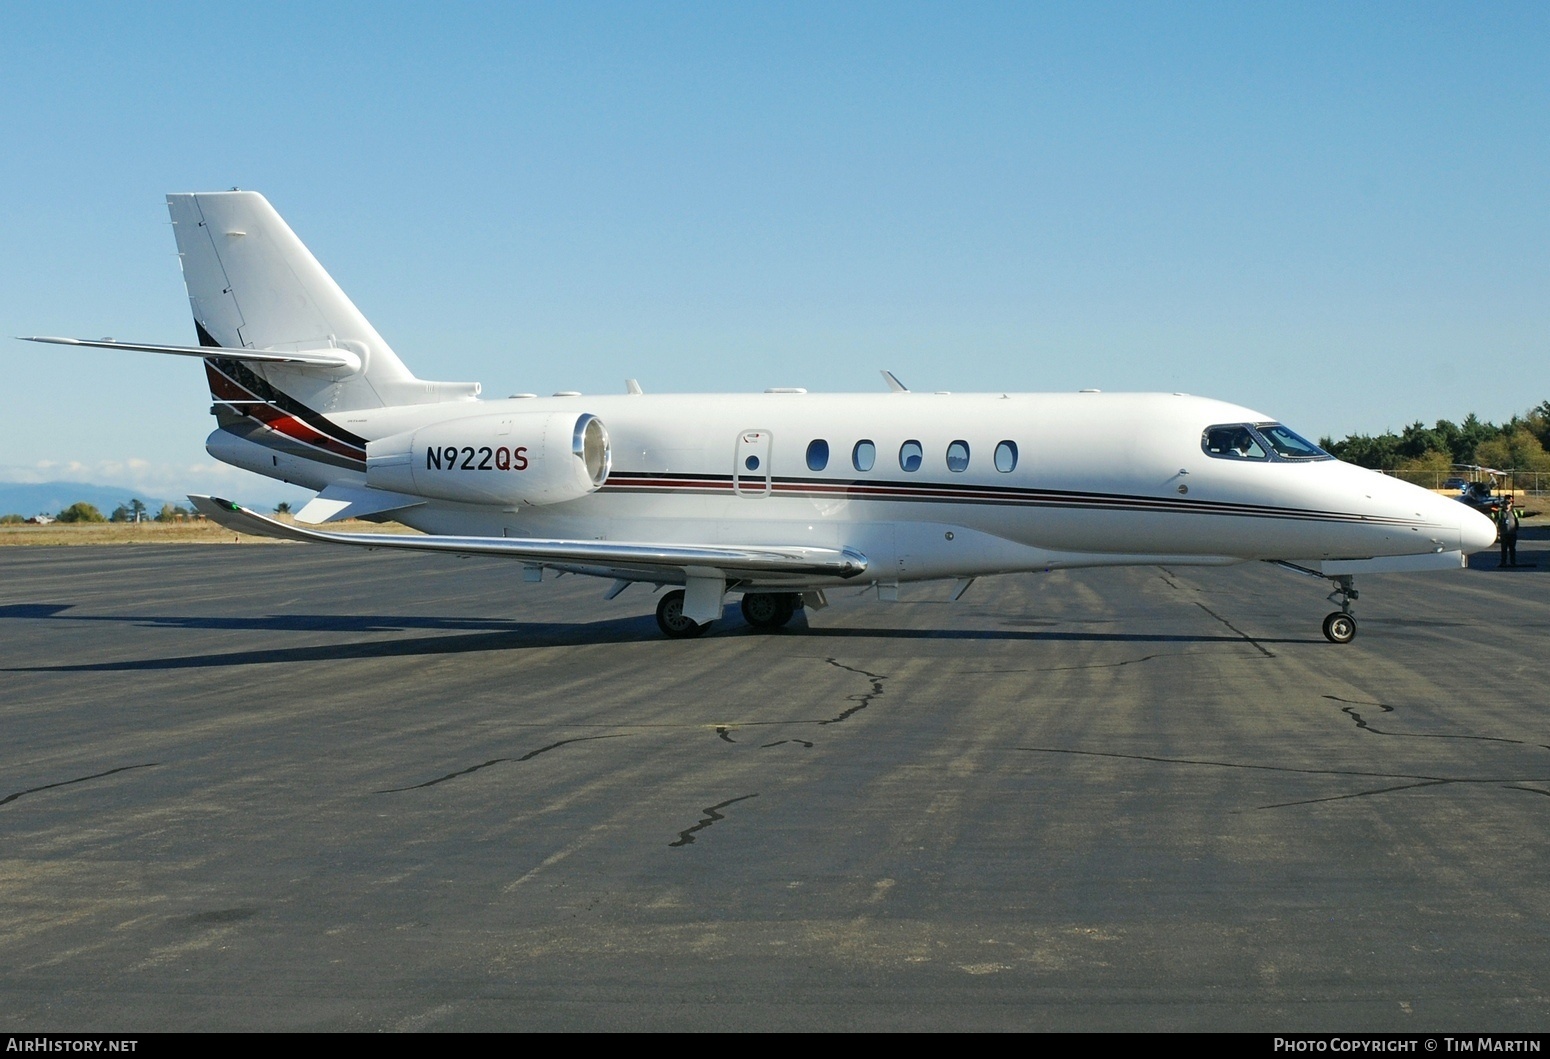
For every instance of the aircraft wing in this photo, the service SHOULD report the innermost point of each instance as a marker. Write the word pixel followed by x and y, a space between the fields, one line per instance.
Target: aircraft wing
pixel 631 560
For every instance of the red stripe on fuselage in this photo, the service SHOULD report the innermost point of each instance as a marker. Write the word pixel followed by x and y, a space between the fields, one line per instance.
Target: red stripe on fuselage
pixel 249 404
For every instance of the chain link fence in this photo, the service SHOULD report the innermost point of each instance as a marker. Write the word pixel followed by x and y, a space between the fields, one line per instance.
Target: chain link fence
pixel 1533 483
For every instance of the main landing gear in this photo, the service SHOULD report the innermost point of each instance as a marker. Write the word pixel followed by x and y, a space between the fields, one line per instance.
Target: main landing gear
pixel 672 620
pixel 770 610
pixel 1340 627
pixel 763 610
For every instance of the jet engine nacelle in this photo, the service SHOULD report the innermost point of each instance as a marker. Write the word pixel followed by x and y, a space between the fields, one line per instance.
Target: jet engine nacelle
pixel 520 458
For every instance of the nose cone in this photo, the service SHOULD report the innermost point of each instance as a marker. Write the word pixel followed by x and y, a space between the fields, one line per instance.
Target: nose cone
pixel 1454 525
pixel 1476 532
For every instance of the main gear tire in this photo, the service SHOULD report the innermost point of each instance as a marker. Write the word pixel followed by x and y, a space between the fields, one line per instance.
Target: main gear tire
pixel 769 610
pixel 671 619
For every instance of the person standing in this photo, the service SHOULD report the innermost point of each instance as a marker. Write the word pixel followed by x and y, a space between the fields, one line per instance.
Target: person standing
pixel 1507 526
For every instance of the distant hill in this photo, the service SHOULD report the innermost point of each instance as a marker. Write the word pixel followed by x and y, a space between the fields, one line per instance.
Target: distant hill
pixel 50 498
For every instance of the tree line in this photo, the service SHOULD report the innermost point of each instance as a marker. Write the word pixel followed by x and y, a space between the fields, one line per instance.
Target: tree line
pixel 134 511
pixel 1520 444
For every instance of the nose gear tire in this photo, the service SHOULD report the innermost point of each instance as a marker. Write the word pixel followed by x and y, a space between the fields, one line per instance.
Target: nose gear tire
pixel 1340 627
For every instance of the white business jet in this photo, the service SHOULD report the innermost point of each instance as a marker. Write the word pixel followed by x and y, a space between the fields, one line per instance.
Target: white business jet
pixel 775 496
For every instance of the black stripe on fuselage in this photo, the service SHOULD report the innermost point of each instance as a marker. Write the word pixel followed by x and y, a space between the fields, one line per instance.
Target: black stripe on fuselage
pixel 249 380
pixel 952 493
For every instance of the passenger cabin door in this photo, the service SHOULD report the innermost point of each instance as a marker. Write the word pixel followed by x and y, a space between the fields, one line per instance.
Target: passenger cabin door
pixel 751 467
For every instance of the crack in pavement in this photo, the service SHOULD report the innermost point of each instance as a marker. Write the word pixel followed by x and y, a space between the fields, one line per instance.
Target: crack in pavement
pixel 1421 779
pixel 686 837
pixel 1531 790
pixel 1364 794
pixel 1167 578
pixel 862 701
pixel 723 732
pixel 1362 724
pixel 1229 764
pixel 8 799
pixel 1261 648
pixel 499 760
pixel 1095 665
pixel 1060 669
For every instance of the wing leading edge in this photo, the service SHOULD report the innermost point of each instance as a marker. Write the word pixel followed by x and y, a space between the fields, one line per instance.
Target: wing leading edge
pixel 631 560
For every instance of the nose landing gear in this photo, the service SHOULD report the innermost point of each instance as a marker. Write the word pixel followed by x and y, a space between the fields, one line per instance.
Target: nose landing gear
pixel 1340 627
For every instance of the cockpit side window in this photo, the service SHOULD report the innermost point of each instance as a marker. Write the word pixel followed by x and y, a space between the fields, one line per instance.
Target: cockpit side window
pixel 1233 442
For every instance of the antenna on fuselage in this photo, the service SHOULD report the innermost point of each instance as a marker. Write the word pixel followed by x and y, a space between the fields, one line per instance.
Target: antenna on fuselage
pixel 894 385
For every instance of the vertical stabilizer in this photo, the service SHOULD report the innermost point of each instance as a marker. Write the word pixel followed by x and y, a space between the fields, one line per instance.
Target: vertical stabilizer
pixel 253 285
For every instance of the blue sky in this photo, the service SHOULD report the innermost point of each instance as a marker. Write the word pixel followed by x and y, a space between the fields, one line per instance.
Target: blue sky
pixel 1333 213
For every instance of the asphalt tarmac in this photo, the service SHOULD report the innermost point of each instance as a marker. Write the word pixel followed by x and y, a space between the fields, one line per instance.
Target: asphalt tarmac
pixel 296 788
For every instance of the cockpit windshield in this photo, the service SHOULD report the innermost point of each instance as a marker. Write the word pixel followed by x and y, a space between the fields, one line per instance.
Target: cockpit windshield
pixel 1258 441
pixel 1289 445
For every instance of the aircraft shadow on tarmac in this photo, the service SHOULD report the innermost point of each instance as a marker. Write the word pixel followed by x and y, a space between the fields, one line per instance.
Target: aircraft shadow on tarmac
pixel 475 635
pixel 273 622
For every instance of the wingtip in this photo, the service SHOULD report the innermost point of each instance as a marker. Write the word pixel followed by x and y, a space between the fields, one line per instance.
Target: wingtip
pixel 213 503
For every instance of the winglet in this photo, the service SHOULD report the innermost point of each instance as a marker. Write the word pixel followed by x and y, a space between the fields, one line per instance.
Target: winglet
pixel 238 518
pixel 894 385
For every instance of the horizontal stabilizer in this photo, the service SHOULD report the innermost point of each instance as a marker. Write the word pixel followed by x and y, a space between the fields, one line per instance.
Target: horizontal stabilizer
pixel 633 560
pixel 338 501
pixel 317 358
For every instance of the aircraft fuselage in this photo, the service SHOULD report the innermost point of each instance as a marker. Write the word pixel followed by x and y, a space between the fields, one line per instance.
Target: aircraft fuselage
pixel 925 485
